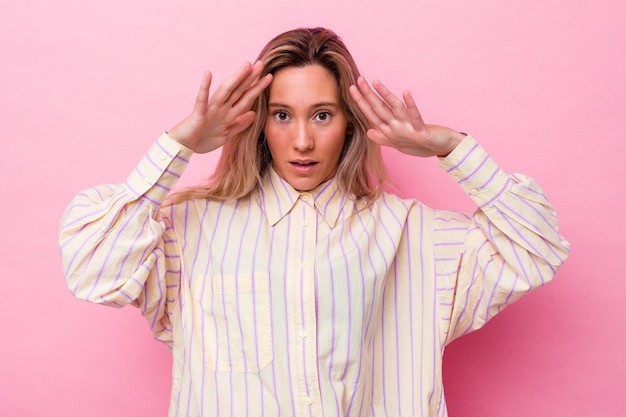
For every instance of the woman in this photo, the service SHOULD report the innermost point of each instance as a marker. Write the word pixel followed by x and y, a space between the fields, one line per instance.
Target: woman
pixel 290 284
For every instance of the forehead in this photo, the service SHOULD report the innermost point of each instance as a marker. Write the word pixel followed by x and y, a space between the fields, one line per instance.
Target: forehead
pixel 312 83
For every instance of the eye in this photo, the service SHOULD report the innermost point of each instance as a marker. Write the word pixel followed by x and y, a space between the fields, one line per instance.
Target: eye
pixel 281 116
pixel 323 116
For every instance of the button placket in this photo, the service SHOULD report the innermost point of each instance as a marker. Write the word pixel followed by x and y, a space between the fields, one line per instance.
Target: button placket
pixel 306 334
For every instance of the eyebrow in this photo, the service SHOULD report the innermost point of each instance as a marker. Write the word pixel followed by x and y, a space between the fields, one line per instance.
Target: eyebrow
pixel 314 106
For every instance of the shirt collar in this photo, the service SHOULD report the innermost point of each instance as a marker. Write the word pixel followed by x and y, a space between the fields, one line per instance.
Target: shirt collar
pixel 278 198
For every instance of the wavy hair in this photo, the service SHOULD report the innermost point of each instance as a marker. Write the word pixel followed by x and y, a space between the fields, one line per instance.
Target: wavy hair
pixel 246 158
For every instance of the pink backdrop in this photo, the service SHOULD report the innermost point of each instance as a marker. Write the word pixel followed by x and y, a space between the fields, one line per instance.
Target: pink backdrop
pixel 86 86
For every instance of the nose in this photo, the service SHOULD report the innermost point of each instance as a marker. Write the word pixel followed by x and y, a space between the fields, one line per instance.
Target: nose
pixel 303 138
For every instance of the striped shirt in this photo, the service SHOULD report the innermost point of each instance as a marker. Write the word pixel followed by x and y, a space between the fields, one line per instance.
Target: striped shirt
pixel 290 303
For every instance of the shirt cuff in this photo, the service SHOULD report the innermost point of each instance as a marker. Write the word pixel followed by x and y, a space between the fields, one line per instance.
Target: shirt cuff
pixel 159 169
pixel 473 169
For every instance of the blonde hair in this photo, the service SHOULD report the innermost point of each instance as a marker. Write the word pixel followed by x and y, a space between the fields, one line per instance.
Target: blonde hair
pixel 245 159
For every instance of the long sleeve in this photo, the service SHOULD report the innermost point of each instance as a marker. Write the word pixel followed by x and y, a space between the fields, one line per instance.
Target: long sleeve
pixel 117 248
pixel 352 307
pixel 508 247
pixel 452 272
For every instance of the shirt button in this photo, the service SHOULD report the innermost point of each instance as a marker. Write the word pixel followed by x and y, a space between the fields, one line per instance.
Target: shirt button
pixel 474 191
pixel 456 173
pixel 162 155
pixel 308 401
pixel 303 334
pixel 302 265
pixel 147 181
pixel 305 223
pixel 305 196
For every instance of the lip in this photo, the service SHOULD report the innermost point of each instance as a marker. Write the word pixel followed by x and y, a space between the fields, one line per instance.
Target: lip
pixel 303 166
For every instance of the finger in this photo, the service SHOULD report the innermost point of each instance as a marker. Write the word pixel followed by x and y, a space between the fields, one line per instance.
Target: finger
pixel 411 107
pixel 379 107
pixel 245 101
pixel 395 104
pixel 378 137
pixel 248 82
pixel 203 94
pixel 363 104
pixel 241 123
pixel 225 90
pixel 358 98
pixel 384 126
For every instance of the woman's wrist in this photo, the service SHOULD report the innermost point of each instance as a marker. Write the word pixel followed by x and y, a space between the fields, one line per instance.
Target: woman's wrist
pixel 450 139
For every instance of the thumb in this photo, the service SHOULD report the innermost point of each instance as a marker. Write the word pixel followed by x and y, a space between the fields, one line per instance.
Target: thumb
pixel 241 123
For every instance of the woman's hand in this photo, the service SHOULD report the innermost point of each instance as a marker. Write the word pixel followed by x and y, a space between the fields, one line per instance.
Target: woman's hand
pixel 399 124
pixel 217 118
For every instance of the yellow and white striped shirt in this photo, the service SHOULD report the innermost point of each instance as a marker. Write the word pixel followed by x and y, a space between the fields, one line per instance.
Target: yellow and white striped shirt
pixel 309 304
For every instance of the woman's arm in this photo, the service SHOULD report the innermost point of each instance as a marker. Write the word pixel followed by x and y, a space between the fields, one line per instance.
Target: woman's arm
pixel 117 247
pixel 508 247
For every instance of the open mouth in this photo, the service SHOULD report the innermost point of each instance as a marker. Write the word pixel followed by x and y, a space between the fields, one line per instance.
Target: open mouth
pixel 303 167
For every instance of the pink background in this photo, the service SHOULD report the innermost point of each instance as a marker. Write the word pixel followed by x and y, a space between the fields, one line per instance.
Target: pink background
pixel 86 86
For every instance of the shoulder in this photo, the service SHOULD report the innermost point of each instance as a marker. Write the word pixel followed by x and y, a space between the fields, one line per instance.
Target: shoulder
pixel 391 201
pixel 390 205
pixel 194 209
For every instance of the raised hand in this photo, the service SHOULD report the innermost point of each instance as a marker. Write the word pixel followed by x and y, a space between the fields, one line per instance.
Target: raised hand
pixel 399 124
pixel 219 117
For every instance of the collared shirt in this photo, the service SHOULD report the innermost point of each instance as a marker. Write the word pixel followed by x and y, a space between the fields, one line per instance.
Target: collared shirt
pixel 290 303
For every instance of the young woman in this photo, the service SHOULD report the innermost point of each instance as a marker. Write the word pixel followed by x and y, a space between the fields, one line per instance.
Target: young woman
pixel 291 284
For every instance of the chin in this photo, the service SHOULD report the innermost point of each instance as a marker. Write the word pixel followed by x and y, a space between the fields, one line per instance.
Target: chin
pixel 303 186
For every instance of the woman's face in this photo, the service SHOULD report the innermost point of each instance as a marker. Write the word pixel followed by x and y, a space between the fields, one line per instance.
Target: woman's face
pixel 306 125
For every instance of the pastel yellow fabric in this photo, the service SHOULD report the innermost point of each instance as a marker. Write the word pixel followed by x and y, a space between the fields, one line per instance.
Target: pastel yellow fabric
pixel 309 304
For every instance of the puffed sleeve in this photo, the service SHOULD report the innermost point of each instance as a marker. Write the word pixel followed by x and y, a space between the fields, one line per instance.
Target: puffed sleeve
pixel 118 248
pixel 508 247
